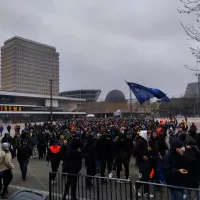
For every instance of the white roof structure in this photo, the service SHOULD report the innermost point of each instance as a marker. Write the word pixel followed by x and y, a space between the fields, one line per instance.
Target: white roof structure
pixel 41 112
pixel 17 94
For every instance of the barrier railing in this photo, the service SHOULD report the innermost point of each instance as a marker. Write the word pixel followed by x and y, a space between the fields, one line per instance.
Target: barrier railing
pixel 164 192
pixel 69 186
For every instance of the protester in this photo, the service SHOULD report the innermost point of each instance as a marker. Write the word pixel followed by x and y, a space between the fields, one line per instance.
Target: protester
pixel 175 169
pixel 6 167
pixel 143 157
pixel 24 153
pixel 72 163
pixel 54 156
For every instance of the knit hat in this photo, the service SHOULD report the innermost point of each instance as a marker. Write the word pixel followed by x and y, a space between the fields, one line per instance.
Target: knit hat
pixel 176 143
pixel 5 146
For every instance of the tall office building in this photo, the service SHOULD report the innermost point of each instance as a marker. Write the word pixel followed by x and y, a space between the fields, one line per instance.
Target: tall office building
pixel 192 90
pixel 28 66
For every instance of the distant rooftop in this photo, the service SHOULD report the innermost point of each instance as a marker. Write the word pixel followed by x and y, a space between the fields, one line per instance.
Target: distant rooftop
pixel 84 90
pixel 30 41
pixel 17 94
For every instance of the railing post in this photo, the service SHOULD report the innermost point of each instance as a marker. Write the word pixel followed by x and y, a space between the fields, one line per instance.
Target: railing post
pixel 98 188
pixel 131 191
pixel 136 190
pixel 50 192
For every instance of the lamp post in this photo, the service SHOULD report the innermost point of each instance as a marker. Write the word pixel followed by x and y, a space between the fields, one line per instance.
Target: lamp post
pixel 198 97
pixel 51 99
pixel 131 105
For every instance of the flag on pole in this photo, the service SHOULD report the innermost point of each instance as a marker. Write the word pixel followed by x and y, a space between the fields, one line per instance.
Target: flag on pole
pixel 117 113
pixel 143 93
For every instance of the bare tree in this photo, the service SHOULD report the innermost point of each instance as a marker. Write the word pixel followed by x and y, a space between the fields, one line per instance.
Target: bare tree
pixel 192 7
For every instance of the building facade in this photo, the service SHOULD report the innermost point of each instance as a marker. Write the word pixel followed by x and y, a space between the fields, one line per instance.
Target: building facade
pixel 28 66
pixel 90 96
pixel 15 105
pixel 192 90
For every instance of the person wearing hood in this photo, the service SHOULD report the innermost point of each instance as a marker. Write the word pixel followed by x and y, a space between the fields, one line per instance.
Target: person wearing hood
pixel 193 128
pixel 6 139
pixel 54 156
pixel 32 142
pixel 1 130
pixel 15 143
pixel 6 167
pixel 141 152
pixel 103 149
pixel 192 155
pixel 42 144
pixel 154 144
pixel 121 155
pixel 8 128
pixel 89 155
pixel 24 153
pixel 174 169
pixel 72 164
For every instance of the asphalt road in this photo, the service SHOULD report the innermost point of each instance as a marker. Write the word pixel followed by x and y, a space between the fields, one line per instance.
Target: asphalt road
pixel 38 179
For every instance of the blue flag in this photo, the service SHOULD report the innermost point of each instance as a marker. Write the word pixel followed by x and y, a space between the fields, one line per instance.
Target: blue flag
pixel 158 93
pixel 165 99
pixel 143 93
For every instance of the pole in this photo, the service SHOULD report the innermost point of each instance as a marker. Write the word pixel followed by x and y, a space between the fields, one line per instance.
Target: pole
pixel 131 105
pixel 51 99
pixel 198 99
pixel 144 108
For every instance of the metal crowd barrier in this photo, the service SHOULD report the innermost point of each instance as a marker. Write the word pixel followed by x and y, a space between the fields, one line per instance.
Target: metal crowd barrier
pixel 164 192
pixel 102 188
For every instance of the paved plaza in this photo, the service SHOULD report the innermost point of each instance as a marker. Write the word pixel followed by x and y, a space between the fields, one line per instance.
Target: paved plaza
pixel 38 171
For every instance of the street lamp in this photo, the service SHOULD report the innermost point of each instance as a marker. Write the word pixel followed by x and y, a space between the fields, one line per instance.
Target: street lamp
pixel 51 99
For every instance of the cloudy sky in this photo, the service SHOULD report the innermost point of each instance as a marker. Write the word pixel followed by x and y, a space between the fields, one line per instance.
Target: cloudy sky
pixel 101 43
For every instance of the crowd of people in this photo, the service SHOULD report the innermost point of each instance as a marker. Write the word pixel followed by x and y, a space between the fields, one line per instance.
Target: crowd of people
pixel 159 148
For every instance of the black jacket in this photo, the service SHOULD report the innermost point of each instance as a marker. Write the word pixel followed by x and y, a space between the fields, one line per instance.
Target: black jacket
pixel 24 153
pixel 154 143
pixel 72 162
pixel 32 140
pixel 193 168
pixel 172 163
pixel 54 154
pixel 141 149
pixel 121 150
pixel 89 149
pixel 104 149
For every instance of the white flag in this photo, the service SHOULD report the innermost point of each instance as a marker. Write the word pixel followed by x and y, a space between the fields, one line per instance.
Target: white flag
pixel 117 113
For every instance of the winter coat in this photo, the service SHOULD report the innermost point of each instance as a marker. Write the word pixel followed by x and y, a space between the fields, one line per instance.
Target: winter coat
pixel 72 162
pixel 5 161
pixel 54 153
pixel 32 140
pixel 24 153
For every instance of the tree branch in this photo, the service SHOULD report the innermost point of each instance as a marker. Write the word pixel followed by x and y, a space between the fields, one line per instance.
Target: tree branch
pixel 195 70
pixel 192 6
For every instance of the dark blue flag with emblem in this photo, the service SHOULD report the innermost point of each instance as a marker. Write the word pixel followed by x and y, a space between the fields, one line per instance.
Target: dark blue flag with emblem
pixel 143 93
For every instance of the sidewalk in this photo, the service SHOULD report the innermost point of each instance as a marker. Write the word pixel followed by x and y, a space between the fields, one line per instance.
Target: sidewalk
pixel 11 191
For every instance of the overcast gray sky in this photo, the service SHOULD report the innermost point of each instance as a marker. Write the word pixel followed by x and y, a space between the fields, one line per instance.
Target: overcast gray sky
pixel 103 42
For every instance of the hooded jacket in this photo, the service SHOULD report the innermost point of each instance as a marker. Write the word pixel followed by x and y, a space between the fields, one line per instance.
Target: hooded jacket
pixel 141 147
pixel 172 163
pixel 72 160
pixel 54 153
pixel 121 148
pixel 5 161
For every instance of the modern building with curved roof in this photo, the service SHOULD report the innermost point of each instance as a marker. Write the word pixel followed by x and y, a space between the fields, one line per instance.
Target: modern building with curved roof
pixel 115 96
pixel 90 95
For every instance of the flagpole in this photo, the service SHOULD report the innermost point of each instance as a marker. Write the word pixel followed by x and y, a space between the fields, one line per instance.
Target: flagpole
pixel 131 106
pixel 144 108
